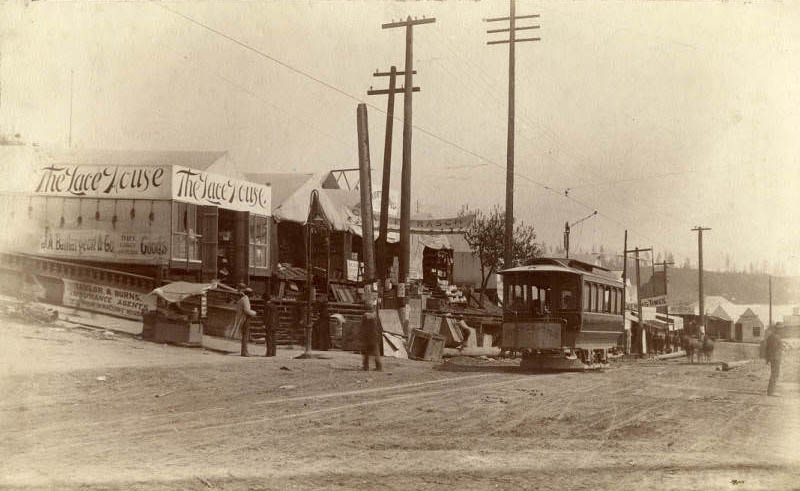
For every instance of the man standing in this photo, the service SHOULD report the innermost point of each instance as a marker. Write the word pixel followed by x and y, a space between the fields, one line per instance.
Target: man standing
pixel 270 326
pixel 774 354
pixel 243 315
pixel 370 334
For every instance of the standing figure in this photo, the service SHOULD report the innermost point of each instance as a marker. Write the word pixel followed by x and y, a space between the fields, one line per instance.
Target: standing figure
pixel 774 355
pixel 322 331
pixel 243 315
pixel 271 325
pixel 371 335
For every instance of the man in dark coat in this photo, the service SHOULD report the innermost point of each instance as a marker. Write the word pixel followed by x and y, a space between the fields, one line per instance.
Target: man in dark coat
pixel 371 339
pixel 774 355
pixel 270 327
pixel 243 315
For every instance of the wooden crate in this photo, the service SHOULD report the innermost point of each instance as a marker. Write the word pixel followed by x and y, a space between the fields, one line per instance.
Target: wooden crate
pixel 425 346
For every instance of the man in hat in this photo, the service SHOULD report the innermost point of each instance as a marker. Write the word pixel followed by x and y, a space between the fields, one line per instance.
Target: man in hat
pixel 774 355
pixel 243 315
pixel 371 338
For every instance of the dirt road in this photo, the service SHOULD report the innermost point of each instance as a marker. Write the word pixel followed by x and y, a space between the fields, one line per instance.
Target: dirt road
pixel 89 410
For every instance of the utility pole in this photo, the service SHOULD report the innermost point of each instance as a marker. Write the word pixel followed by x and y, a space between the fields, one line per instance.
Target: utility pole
pixel 638 293
pixel 387 162
pixel 365 185
pixel 405 177
pixel 512 40
pixel 625 286
pixel 699 231
pixel 665 264
pixel 770 300
pixel 405 180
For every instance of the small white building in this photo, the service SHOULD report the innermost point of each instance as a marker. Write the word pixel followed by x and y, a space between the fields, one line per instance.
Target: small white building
pixel 749 328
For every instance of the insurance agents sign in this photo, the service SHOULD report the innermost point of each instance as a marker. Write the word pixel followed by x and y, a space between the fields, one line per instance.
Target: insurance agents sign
pixel 201 188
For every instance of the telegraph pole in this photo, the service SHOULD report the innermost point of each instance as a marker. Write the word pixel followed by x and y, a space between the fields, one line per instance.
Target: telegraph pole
pixel 508 255
pixel 638 293
pixel 770 300
pixel 387 161
pixel 405 184
pixel 699 231
pixel 666 306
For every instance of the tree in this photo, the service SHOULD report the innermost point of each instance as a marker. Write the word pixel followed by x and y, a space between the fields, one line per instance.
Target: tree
pixel 486 236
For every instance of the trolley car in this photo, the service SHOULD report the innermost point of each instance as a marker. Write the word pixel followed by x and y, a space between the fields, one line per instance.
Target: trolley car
pixel 562 314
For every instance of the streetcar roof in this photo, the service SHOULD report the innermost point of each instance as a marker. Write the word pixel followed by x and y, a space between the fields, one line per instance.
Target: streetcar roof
pixel 561 265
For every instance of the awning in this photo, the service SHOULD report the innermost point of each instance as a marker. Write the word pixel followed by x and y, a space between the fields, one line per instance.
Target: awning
pixel 180 290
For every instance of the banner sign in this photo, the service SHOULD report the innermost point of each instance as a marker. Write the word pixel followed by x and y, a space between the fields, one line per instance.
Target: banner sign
pixel 394 203
pixel 100 244
pixel 434 225
pixel 97 181
pixel 201 188
pixel 103 299
pixel 658 301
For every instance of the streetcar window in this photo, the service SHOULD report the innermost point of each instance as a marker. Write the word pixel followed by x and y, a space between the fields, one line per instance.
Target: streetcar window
pixel 593 299
pixel 587 295
pixel 606 299
pixel 620 300
pixel 599 304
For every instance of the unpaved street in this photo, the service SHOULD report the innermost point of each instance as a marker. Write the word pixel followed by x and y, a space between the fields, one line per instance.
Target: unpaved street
pixel 88 410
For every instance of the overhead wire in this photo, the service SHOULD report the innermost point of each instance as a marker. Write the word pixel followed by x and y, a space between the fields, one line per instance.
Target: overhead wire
pixel 423 130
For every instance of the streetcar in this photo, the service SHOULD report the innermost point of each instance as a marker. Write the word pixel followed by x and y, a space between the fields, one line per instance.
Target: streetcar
pixel 562 314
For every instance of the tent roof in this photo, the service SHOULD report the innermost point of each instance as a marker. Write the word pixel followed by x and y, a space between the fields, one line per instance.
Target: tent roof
pixel 283 184
pixel 720 313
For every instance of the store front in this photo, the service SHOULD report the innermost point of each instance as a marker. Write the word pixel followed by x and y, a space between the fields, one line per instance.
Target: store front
pixel 171 221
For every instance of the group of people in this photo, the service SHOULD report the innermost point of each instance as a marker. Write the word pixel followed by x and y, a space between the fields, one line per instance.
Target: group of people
pixel 244 313
pixel 370 332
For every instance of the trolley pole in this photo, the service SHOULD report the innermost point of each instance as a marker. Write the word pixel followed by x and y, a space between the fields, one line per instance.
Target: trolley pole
pixel 699 231
pixel 508 252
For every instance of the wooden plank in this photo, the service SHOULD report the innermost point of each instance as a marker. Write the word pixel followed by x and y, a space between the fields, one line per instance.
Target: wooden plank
pixel 390 321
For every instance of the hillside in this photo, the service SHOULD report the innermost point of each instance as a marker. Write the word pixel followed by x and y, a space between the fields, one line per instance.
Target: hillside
pixel 740 288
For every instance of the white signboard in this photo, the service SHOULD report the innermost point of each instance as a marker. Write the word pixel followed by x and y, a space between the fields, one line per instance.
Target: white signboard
pixel 103 299
pixel 658 301
pixel 100 244
pixel 97 181
pixel 201 188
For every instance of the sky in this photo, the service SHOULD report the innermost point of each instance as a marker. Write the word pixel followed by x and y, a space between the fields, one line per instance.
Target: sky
pixel 662 116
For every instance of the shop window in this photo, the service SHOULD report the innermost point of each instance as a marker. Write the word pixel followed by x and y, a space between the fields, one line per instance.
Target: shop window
pixel 756 331
pixel 259 241
pixel 185 239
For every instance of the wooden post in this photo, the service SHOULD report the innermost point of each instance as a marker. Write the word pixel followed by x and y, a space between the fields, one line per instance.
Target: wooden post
pixel 365 185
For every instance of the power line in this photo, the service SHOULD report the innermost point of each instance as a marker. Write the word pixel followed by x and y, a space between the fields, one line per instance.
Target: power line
pixel 357 99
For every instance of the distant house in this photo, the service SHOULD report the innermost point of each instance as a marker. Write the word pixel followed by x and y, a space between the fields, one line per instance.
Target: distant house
pixel 749 328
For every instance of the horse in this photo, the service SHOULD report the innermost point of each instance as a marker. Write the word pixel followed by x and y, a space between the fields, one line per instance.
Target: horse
pixel 692 346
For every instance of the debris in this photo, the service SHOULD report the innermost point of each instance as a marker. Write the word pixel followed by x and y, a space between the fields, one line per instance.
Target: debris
pixel 286 368
pixel 289 386
pixel 205 482
pixel 101 378
pixel 164 394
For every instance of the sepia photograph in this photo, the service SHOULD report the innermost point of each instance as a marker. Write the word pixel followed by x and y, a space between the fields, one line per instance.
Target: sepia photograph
pixel 399 245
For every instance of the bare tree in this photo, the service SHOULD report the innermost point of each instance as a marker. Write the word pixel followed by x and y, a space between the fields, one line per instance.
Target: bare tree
pixel 485 237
